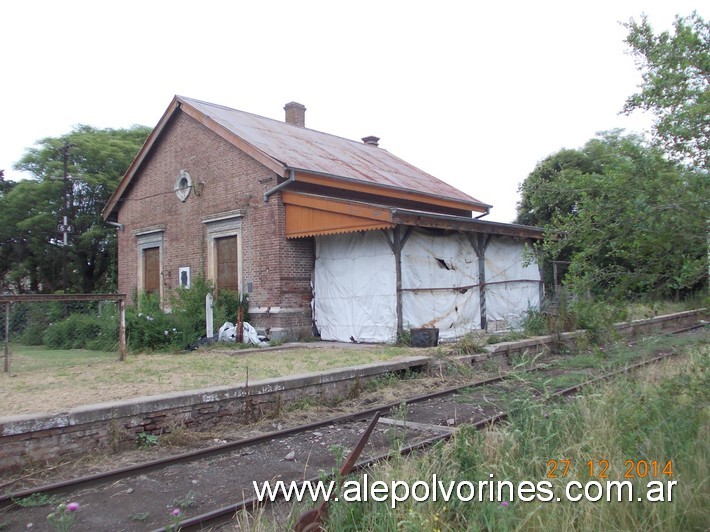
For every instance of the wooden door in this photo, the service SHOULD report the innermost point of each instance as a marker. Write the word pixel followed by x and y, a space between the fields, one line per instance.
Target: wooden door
pixel 151 271
pixel 227 257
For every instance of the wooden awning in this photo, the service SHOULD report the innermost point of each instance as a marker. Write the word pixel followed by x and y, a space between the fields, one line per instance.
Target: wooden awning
pixel 308 215
pixel 311 215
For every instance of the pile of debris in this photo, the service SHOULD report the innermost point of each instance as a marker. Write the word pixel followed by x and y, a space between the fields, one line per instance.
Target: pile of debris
pixel 229 333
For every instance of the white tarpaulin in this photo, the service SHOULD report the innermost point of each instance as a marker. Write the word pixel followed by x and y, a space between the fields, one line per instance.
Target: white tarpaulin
pixel 228 333
pixel 439 283
pixel 355 288
pixel 355 285
pixel 508 301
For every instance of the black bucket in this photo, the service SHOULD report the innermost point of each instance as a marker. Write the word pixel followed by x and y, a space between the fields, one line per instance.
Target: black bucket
pixel 425 337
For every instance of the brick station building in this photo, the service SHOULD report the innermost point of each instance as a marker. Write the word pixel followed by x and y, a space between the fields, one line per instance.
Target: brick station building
pixel 323 233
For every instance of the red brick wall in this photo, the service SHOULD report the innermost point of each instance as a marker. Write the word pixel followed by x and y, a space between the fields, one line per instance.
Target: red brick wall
pixel 279 269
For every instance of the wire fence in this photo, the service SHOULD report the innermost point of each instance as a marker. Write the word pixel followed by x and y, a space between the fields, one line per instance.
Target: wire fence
pixel 67 321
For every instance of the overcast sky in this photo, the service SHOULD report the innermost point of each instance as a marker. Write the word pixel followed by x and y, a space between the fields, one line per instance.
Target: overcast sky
pixel 474 93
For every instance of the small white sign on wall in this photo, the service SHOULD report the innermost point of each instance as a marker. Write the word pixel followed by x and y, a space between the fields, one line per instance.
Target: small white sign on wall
pixel 184 277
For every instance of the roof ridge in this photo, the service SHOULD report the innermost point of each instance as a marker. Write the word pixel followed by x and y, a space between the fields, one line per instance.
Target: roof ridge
pixel 188 99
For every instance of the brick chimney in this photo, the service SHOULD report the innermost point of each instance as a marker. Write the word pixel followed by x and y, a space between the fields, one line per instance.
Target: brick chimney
pixel 371 141
pixel 295 114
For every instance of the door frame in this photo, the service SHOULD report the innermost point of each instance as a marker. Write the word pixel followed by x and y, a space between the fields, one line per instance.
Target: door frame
pixel 221 226
pixel 152 237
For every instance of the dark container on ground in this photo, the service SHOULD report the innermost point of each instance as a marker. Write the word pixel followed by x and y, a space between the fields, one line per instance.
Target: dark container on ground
pixel 425 337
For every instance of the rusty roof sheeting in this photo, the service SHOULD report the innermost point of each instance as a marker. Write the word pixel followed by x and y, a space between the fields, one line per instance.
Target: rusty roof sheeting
pixel 310 150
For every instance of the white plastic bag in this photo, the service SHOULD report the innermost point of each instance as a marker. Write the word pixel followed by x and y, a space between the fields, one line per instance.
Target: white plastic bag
pixel 228 333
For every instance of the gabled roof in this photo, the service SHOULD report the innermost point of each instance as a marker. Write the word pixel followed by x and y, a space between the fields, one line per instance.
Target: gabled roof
pixel 284 147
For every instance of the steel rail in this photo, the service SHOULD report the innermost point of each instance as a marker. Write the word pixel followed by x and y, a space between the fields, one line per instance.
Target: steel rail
pixel 221 515
pixel 225 448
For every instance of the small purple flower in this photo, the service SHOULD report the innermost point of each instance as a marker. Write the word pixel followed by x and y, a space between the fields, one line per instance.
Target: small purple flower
pixel 72 507
pixel 547 415
pixel 176 512
pixel 505 504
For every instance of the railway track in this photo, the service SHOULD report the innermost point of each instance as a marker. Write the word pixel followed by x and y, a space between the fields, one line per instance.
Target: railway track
pixel 223 515
pixel 106 477
pixel 425 419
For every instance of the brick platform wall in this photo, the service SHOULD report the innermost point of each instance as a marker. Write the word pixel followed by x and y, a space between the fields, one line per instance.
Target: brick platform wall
pixel 114 426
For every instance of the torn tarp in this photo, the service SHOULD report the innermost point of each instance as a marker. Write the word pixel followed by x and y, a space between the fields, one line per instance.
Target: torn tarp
pixel 355 284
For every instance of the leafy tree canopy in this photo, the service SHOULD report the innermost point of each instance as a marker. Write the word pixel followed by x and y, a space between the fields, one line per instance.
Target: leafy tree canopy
pixel 31 249
pixel 630 222
pixel 676 78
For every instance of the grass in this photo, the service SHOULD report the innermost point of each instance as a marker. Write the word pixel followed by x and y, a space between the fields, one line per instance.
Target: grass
pixel 638 311
pixel 621 353
pixel 37 358
pixel 605 425
pixel 35 500
pixel 74 377
pixel 550 384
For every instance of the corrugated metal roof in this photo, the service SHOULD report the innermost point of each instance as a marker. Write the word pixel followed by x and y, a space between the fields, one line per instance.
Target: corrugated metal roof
pixel 314 151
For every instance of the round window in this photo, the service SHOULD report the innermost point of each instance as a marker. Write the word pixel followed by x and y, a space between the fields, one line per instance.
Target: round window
pixel 183 186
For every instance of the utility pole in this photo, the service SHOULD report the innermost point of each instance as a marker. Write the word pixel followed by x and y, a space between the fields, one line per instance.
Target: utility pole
pixel 65 228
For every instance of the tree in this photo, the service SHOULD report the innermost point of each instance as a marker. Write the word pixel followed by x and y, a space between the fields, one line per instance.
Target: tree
pixel 5 186
pixel 630 222
pixel 31 253
pixel 542 198
pixel 676 77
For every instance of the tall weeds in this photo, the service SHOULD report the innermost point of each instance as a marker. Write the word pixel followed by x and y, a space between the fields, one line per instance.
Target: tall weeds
pixel 658 418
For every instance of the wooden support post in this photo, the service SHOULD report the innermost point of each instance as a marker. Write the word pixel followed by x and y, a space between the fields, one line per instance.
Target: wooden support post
pixel 7 337
pixel 240 324
pixel 397 251
pixel 122 330
pixel 482 285
pixel 554 275
pixel 396 245
pixel 480 242
pixel 541 285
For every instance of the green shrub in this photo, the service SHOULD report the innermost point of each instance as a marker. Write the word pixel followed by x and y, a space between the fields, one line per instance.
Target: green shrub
pixel 404 338
pixel 28 321
pixel 564 313
pixel 188 312
pixel 83 331
pixel 597 318
pixel 226 307
pixel 534 323
pixel 149 328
